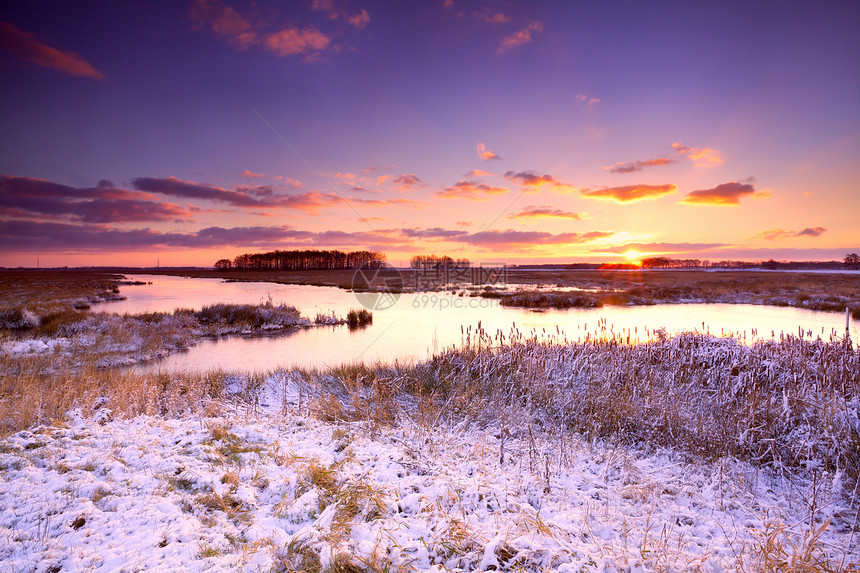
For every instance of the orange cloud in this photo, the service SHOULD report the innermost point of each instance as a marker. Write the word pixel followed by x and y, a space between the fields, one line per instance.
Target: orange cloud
pixel 520 38
pixel 250 174
pixel 485 153
pixel 28 48
pixel 630 192
pixel 471 190
pixel 703 156
pixel 535 211
pixel 725 194
pixel 637 165
pixel 381 179
pixel 479 173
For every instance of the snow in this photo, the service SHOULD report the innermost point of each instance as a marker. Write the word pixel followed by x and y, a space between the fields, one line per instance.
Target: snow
pixel 239 491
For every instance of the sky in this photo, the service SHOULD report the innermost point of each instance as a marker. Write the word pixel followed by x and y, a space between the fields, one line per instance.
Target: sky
pixel 139 133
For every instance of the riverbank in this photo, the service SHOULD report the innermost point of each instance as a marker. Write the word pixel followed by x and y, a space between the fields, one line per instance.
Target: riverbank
pixel 66 340
pixel 690 453
pixel 41 293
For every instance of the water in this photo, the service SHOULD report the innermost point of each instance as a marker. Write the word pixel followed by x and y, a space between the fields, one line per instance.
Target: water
pixel 420 324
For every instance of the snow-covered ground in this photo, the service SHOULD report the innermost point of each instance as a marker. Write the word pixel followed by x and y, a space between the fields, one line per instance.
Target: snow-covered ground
pixel 269 487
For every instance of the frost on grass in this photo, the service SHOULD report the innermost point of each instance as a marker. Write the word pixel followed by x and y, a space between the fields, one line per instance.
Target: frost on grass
pixel 103 339
pixel 455 464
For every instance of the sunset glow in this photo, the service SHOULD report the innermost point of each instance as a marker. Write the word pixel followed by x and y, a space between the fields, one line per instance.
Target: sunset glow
pixel 182 133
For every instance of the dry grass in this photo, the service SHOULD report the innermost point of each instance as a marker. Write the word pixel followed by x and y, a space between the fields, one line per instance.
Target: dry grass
pixel 28 399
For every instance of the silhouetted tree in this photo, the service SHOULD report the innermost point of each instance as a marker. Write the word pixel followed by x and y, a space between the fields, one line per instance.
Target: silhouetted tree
pixel 308 260
pixel 223 264
pixel 434 262
pixel 852 260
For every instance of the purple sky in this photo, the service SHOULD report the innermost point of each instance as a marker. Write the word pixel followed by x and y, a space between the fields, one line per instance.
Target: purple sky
pixel 184 132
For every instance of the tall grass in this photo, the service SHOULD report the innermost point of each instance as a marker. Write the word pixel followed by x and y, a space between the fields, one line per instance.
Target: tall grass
pixel 792 403
pixel 29 399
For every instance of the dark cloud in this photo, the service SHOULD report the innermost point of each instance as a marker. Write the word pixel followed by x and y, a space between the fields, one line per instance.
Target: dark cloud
pixel 407 181
pixel 811 232
pixel 532 179
pixel 178 188
pixel 34 236
pixel 433 233
pixel 630 192
pixel 37 198
pixel 636 166
pixel 28 48
pixel 243 196
pixel 725 194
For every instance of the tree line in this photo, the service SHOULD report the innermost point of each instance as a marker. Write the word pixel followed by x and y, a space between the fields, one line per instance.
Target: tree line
pixel 851 261
pixel 309 260
pixel 427 262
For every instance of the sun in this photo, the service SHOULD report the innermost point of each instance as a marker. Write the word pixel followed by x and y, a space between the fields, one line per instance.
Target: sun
pixel 633 256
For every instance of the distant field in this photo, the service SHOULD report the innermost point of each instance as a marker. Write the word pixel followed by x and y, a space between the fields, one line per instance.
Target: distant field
pixel 42 291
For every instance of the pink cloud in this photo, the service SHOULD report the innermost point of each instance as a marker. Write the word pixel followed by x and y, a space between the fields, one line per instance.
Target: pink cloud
pixel 779 234
pixel 28 48
pixel 520 38
pixel 226 23
pixel 703 156
pixel 485 153
pixel 292 41
pixel 471 190
pixel 511 238
pixel 359 20
pixel 540 211
pixel 479 173
pixel 661 248
pixel 636 166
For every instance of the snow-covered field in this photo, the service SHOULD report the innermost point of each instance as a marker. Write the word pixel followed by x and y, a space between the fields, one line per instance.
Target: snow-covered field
pixel 265 486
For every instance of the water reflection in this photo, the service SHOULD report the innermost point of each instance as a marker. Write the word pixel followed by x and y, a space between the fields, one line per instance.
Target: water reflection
pixel 423 323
